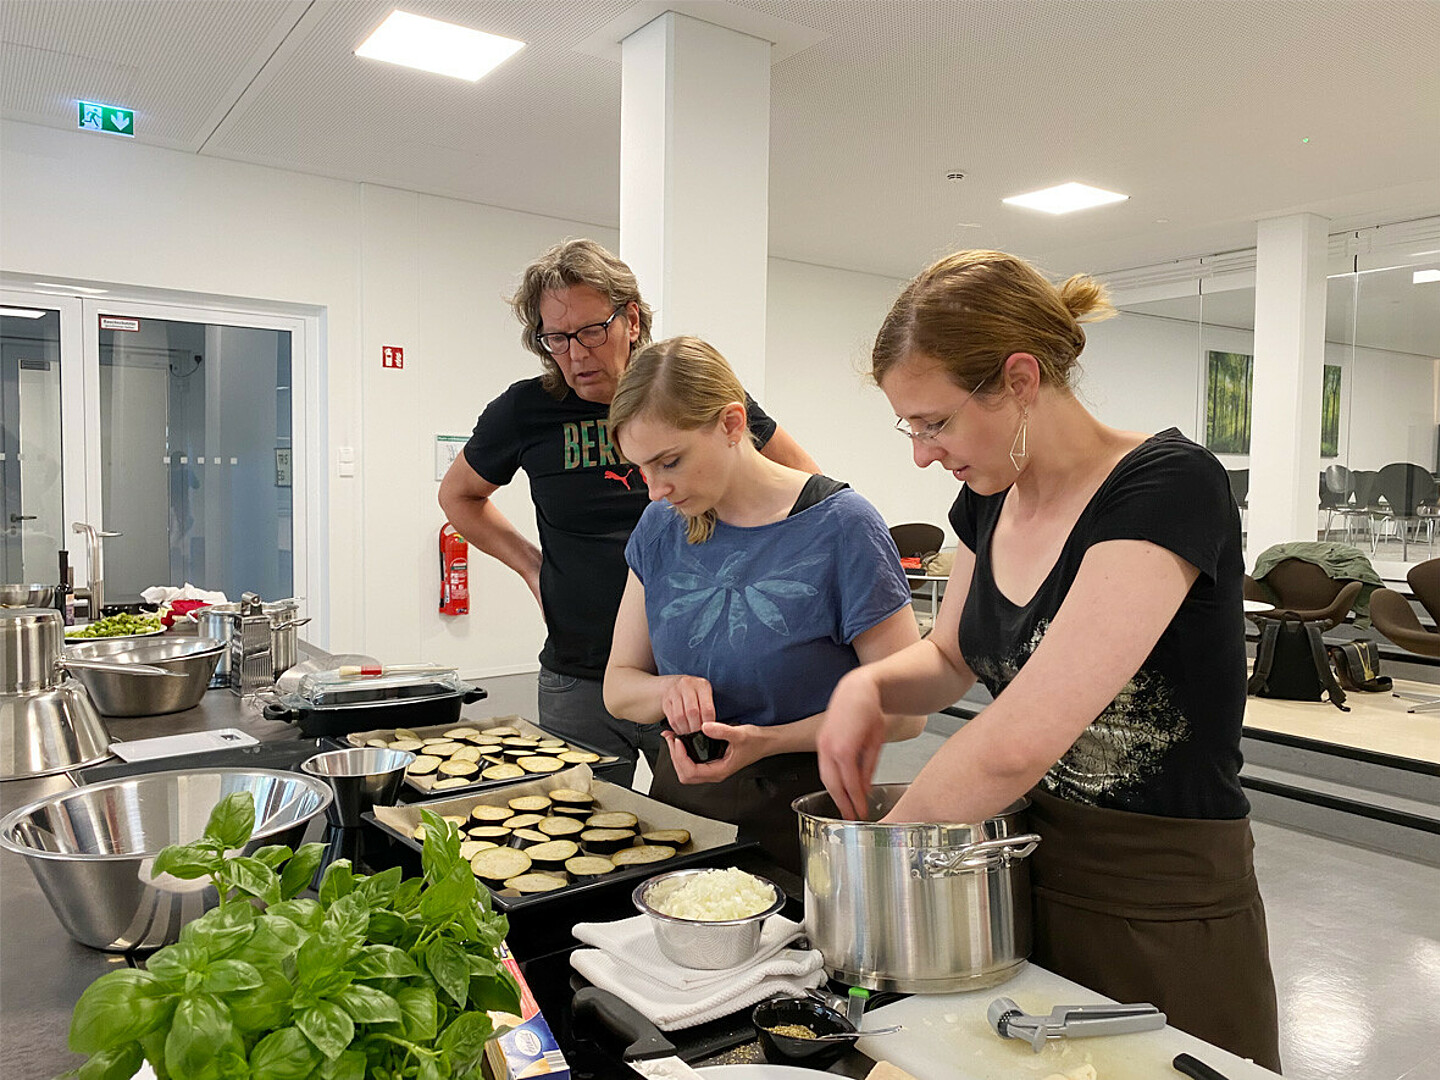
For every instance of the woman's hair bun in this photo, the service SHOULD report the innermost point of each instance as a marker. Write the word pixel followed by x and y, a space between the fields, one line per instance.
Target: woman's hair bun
pixel 1086 299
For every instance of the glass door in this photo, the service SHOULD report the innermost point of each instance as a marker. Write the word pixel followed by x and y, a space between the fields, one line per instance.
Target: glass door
pixel 197 469
pixel 38 395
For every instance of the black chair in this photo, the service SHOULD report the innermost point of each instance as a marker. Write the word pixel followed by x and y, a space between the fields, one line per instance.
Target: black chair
pixel 1336 487
pixel 1406 488
pixel 1239 486
pixel 1305 589
pixel 920 540
pixel 1396 619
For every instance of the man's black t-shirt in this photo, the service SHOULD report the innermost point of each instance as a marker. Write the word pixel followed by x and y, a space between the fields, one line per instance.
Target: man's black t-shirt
pixel 1169 744
pixel 587 502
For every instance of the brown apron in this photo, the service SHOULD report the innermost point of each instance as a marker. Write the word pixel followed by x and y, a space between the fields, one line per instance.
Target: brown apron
pixel 757 798
pixel 1157 909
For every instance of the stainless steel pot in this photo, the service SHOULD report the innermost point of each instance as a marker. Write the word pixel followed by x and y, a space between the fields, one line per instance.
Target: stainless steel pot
pixel 916 908
pixel 284 647
pixel 218 622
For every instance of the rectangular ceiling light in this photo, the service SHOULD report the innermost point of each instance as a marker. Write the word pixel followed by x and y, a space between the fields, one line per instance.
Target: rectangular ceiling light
pixel 1420 277
pixel 21 313
pixel 70 288
pixel 1065 198
pixel 441 47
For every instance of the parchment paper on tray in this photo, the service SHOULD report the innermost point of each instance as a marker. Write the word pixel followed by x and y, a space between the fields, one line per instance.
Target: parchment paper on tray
pixel 433 771
pixel 706 835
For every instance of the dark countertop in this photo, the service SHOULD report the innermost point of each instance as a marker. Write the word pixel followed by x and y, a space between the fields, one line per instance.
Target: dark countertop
pixel 43 971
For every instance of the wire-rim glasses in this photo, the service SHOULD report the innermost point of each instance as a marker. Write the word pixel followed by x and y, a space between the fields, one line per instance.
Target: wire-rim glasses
pixel 557 342
pixel 932 431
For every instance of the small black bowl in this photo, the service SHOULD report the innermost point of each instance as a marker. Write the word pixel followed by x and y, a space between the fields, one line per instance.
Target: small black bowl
pixel 787 1049
pixel 702 748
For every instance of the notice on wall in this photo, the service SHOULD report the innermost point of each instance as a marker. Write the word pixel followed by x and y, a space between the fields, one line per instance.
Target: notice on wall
pixel 447 448
pixel 392 356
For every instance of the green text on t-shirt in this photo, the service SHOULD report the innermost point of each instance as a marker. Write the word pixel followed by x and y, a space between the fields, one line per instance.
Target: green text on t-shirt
pixel 588 444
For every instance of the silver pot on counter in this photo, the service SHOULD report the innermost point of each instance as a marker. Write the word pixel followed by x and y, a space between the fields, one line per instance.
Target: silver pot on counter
pixel 218 621
pixel 915 908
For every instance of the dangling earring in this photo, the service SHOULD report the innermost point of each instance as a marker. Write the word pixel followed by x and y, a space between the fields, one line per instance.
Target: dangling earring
pixel 1019 448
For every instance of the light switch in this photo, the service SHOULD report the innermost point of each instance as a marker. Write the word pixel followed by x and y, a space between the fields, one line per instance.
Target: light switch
pixel 346 457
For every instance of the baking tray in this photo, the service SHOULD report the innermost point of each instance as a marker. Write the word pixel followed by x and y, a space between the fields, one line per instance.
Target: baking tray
pixel 708 838
pixel 422 784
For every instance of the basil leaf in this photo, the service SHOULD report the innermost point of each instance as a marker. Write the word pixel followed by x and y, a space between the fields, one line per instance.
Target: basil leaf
pixel 418 1012
pixel 441 850
pixel 350 918
pixel 201 1038
pixel 273 940
pixel 117 1063
pixel 284 1055
pixel 226 976
pixel 154 1046
pixel 272 855
pixel 318 957
pixel 339 881
pixel 328 1026
pixel 429 1070
pixel 186 861
pixel 233 820
pixel 254 877
pixel 449 896
pixel 449 967
pixel 407 895
pixel 119 1007
pixel 498 993
pixel 464 1040
pixel 383 962
pixel 348 1066
pixel 380 888
pixel 265 1007
pixel 304 913
pixel 172 963
pixel 387 927
pixel 366 1005
pixel 220 931
pixel 300 870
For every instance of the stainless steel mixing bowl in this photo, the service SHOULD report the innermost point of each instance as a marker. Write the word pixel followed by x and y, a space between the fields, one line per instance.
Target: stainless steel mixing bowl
pixel 117 692
pixel 361 778
pixel 705 944
pixel 92 849
pixel 36 596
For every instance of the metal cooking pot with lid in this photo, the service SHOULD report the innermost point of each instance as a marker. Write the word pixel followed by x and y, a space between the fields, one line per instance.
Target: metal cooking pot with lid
pixel 916 908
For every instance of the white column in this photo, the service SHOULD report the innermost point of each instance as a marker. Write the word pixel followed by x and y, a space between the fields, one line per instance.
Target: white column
pixel 1290 269
pixel 694 182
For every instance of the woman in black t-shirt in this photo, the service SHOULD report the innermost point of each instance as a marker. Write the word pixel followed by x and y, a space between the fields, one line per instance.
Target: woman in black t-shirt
pixel 1097 594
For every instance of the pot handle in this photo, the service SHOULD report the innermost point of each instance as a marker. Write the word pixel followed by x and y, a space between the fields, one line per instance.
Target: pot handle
pixel 70 664
pixel 474 694
pixel 982 855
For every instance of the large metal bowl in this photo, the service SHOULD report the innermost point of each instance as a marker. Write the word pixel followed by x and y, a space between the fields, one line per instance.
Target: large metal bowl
pixel 27 595
pixel 92 849
pixel 122 693
pixel 705 944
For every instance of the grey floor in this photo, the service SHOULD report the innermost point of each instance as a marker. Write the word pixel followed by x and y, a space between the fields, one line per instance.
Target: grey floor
pixel 1354 935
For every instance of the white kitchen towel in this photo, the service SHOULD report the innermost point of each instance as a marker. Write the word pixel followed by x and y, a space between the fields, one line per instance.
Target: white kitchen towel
pixel 633 942
pixel 670 1008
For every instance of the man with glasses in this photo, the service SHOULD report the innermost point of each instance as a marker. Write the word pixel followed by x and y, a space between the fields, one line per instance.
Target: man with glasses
pixel 581 313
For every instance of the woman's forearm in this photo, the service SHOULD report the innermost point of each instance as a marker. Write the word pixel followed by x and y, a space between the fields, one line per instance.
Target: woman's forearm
pixel 633 694
pixel 916 681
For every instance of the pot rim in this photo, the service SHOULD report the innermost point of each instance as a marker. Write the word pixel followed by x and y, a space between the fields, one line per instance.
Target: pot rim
pixel 8 823
pixel 1019 806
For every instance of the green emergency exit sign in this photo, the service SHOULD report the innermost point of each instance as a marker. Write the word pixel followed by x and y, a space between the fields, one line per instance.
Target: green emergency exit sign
pixel 97 117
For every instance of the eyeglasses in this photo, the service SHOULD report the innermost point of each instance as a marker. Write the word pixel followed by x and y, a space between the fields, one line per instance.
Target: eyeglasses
pixel 592 336
pixel 930 432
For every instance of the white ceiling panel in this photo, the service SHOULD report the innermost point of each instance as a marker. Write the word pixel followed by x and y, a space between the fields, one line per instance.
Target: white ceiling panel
pixel 1195 108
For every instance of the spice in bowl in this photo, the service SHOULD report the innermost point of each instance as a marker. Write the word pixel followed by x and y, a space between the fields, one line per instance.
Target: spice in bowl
pixel 792 1031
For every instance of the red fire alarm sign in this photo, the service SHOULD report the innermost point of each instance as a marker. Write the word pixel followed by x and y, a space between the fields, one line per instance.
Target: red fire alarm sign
pixel 393 356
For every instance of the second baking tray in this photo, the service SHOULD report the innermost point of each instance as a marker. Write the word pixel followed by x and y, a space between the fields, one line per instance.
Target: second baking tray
pixel 423 784
pixel 709 839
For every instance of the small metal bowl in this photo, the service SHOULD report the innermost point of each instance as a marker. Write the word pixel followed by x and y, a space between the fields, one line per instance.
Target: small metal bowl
pixel 361 778
pixel 92 848
pixel 27 596
pixel 120 693
pixel 705 944
pixel 791 1050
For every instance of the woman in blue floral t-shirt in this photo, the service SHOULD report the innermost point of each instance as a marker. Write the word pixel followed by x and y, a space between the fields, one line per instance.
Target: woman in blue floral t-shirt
pixel 753 589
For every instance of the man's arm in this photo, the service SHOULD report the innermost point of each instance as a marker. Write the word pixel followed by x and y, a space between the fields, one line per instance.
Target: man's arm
pixel 465 498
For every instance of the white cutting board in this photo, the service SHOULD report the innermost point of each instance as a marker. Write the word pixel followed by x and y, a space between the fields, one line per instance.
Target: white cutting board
pixel 947 1037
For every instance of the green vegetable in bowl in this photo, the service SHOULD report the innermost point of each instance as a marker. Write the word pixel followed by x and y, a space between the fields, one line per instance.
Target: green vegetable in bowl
pixel 377 977
pixel 121 625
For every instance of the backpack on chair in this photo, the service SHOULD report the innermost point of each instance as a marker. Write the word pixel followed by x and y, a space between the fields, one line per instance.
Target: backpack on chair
pixel 1291 662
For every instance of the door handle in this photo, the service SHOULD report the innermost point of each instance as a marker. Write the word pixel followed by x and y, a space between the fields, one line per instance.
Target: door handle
pixel 23 517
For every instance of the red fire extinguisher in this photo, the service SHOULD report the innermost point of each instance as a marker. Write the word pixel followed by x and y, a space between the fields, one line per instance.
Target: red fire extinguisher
pixel 454 572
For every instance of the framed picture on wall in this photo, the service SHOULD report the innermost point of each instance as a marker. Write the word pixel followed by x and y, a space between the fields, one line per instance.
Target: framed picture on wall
pixel 1330 413
pixel 1228 380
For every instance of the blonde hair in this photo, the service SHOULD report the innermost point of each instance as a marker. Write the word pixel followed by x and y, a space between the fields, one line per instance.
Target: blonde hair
pixel 574 262
pixel 973 310
pixel 683 382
